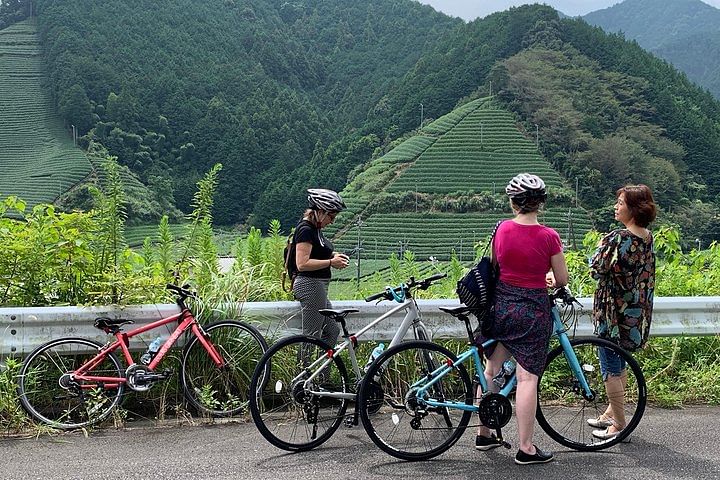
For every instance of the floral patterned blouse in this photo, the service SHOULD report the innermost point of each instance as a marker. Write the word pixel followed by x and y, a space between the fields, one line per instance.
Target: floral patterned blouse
pixel 624 265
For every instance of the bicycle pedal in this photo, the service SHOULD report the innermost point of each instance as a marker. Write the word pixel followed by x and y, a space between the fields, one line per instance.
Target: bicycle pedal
pixel 349 423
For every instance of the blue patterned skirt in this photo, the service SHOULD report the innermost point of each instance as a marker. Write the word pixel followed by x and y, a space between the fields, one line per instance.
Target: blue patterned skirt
pixel 523 324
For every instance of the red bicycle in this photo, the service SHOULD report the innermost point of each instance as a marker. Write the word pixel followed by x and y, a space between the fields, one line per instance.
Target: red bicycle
pixel 71 383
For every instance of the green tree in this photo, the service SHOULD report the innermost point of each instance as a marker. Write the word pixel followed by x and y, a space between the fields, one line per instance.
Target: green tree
pixel 74 106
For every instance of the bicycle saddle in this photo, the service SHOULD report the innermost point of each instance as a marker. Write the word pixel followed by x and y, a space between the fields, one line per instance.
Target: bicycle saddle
pixel 108 324
pixel 337 314
pixel 456 311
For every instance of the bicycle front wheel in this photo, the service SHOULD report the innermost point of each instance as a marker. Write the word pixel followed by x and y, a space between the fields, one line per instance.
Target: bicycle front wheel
pixel 291 412
pixel 397 418
pixel 50 393
pixel 563 407
pixel 222 391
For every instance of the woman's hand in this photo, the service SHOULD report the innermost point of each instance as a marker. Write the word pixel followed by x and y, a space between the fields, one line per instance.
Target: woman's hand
pixel 339 261
pixel 550 279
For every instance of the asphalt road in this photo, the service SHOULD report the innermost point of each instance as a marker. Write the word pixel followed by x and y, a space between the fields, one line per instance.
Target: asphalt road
pixel 668 444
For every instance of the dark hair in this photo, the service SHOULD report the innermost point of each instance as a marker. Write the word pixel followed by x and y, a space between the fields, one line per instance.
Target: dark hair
pixel 528 203
pixel 640 203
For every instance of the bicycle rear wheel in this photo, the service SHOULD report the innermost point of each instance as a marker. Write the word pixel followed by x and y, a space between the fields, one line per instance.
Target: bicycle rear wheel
pixel 48 392
pixel 563 410
pixel 285 409
pixel 222 391
pixel 399 422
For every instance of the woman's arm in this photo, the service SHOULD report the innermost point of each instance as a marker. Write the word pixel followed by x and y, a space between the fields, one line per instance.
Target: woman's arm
pixel 605 256
pixel 306 264
pixel 559 270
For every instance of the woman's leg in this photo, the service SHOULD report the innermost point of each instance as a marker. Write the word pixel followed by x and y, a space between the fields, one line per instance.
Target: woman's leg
pixel 492 368
pixel 525 406
pixel 614 373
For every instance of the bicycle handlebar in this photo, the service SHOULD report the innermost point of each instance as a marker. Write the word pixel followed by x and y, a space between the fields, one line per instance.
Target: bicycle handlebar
pixel 182 292
pixel 564 295
pixel 392 293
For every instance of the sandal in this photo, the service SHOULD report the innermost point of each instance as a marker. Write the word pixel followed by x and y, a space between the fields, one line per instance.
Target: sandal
pixel 600 422
pixel 605 434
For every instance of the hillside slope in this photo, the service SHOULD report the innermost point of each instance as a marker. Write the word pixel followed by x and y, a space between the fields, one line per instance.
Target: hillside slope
pixel 38 161
pixel 442 190
pixel 683 32
pixel 171 88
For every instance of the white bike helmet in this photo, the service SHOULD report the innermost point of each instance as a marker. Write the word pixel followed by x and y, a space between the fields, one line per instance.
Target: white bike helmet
pixel 524 186
pixel 326 200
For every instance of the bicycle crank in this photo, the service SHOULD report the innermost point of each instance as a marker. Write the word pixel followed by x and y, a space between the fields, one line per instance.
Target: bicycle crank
pixel 140 378
pixel 495 410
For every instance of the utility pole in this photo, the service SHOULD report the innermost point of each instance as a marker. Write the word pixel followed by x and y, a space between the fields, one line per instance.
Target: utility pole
pixel 359 224
pixel 421 115
pixel 577 183
pixel 537 136
pixel 74 134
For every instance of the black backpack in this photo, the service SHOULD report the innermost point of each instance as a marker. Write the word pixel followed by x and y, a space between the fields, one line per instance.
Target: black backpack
pixel 477 288
pixel 289 262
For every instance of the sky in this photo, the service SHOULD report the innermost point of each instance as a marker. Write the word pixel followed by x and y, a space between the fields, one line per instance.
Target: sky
pixel 472 9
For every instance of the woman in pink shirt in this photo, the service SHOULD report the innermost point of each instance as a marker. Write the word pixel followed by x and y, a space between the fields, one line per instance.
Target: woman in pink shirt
pixel 525 252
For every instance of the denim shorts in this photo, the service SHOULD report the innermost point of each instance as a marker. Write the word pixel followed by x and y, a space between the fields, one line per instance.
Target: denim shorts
pixel 611 364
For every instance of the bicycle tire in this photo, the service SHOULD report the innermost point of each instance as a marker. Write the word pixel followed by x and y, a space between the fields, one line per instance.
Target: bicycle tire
pixel 52 398
pixel 224 391
pixel 563 412
pixel 287 415
pixel 402 426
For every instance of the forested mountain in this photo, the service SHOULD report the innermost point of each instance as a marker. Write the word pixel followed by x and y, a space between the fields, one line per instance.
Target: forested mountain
pixel 290 95
pixel 171 88
pixel 686 33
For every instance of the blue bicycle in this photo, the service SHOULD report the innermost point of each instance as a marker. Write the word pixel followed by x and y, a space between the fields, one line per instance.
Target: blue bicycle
pixel 429 392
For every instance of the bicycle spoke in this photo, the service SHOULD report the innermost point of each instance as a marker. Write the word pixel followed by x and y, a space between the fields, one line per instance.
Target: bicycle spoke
pixel 222 390
pixel 563 412
pixel 287 412
pixel 50 394
pixel 417 430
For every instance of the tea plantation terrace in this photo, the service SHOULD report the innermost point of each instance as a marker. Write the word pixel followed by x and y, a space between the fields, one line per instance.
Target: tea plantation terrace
pixel 38 161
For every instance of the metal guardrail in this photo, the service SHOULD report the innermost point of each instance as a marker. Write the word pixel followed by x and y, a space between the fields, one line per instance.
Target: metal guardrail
pixel 23 329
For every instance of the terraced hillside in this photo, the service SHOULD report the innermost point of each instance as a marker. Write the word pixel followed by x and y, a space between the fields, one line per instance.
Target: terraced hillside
pixel 473 150
pixel 38 161
pixel 479 154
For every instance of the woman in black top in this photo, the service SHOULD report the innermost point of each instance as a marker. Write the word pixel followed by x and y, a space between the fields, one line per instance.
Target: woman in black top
pixel 314 257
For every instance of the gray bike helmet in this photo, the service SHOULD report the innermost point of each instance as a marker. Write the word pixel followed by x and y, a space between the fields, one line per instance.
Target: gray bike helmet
pixel 326 200
pixel 525 186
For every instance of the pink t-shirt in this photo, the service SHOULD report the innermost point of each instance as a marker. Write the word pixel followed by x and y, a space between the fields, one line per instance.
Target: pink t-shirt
pixel 523 253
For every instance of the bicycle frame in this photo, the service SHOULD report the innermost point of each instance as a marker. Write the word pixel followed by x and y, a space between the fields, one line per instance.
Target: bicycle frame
pixel 186 321
pixel 474 353
pixel 412 318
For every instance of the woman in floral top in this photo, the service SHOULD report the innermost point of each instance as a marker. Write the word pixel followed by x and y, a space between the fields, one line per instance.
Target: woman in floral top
pixel 624 265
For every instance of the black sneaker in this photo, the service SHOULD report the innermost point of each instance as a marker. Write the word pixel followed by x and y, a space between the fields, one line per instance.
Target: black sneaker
pixel 523 458
pixel 486 443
